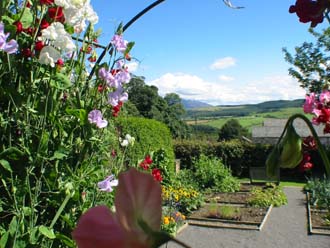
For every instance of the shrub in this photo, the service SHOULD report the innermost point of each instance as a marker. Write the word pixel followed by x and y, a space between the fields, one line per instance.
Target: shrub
pixel 150 136
pixel 236 154
pixel 211 173
pixel 319 192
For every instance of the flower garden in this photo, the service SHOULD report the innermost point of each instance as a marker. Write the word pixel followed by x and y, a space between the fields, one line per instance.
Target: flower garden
pixel 77 170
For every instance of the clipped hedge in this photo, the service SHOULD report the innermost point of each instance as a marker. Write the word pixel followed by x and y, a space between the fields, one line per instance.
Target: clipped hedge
pixel 236 154
pixel 150 136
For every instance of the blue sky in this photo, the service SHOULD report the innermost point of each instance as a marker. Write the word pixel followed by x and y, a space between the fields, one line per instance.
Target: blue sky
pixel 206 51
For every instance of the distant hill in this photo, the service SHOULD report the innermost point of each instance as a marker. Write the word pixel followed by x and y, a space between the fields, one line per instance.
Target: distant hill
pixel 192 104
pixel 242 110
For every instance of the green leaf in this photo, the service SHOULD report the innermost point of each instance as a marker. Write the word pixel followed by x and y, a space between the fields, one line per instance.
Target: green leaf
pixel 120 29
pixel 46 231
pixel 7 19
pixel 79 113
pixel 66 240
pixel 5 164
pixel 27 211
pixel 12 153
pixel 13 226
pixel 60 81
pixel 27 18
pixel 34 236
pixel 129 47
pixel 4 239
pixel 58 156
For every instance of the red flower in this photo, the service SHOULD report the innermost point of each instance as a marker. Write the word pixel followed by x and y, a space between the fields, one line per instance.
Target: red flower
pixel 44 24
pixel 144 165
pixel 47 2
pixel 113 153
pixel 116 109
pixel 60 62
pixel 29 30
pixel 305 166
pixel 308 11
pixel 309 143
pixel 148 159
pixel 39 45
pixel 128 57
pixel 26 52
pixel 56 14
pixel 19 26
pixel 92 59
pixel 156 173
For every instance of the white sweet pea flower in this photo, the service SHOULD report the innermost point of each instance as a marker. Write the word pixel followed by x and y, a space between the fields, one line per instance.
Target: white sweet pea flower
pixel 49 56
pixel 77 12
pixel 129 140
pixel 56 36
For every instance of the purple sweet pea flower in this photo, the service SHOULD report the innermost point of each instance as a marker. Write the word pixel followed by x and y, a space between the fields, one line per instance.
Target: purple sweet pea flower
pixel 9 47
pixel 117 96
pixel 120 44
pixel 123 76
pixel 108 183
pixel 95 117
pixel 108 78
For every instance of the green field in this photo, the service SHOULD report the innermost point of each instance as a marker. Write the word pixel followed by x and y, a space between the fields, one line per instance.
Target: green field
pixel 247 121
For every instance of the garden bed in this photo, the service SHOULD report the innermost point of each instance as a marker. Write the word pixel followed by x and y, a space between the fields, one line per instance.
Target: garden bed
pixel 251 218
pixel 241 216
pixel 316 219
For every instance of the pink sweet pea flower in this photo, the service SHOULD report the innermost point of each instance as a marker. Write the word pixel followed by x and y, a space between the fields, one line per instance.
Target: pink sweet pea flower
pixel 309 103
pixel 137 200
pixel 325 97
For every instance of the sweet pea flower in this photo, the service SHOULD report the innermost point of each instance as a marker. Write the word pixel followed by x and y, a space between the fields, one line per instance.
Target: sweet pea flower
pixel 138 207
pixel 119 43
pixel 8 47
pixel 108 183
pixel 95 117
pixel 325 97
pixel 117 96
pixel 127 141
pixel 309 103
pixel 49 56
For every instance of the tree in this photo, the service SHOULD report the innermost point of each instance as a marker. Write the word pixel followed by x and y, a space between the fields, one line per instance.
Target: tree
pixel 312 62
pixel 232 130
pixel 149 104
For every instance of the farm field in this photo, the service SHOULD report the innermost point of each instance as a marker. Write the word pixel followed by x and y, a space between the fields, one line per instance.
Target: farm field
pixel 253 119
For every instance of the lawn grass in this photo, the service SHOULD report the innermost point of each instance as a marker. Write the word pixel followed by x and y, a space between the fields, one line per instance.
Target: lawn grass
pixel 282 183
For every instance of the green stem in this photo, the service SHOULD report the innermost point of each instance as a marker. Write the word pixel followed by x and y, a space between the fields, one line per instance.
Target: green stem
pixel 60 210
pixel 320 147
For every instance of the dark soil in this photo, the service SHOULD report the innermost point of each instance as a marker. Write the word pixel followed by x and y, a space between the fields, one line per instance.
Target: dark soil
pixel 238 200
pixel 318 218
pixel 242 214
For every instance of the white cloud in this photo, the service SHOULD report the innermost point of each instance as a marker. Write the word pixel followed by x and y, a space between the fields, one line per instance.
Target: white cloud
pixel 278 87
pixel 132 66
pixel 226 78
pixel 223 63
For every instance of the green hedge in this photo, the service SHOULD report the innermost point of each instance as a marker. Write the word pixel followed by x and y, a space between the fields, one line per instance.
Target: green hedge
pixel 150 136
pixel 236 154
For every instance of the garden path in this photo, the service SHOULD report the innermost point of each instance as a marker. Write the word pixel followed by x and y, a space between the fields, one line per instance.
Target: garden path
pixel 286 227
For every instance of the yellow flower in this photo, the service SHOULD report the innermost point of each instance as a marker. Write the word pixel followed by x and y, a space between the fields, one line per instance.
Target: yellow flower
pixel 166 220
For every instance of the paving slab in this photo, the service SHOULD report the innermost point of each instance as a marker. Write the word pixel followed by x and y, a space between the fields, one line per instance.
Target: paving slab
pixel 286 227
